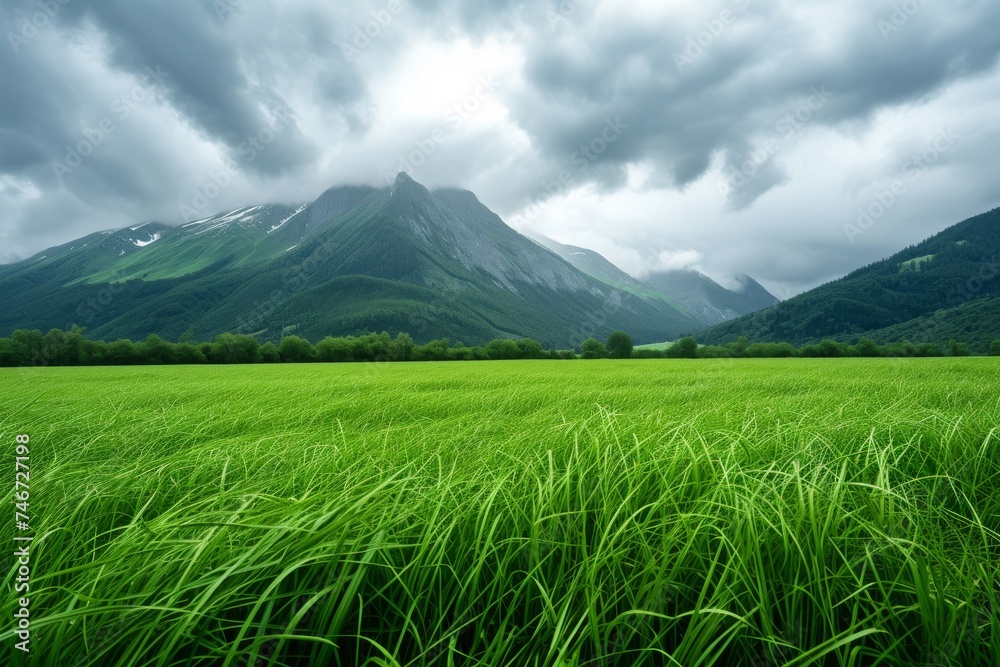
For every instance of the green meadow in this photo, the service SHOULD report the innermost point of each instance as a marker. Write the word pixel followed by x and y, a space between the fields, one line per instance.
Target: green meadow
pixel 659 347
pixel 545 514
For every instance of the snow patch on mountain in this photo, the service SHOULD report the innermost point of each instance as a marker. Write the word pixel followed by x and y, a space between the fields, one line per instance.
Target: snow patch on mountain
pixel 282 223
pixel 142 244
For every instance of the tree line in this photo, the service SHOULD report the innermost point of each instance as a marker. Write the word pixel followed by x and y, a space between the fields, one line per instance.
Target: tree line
pixel 688 348
pixel 73 348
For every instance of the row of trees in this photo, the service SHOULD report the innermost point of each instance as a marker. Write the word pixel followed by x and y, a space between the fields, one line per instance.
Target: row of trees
pixel 72 348
pixel 688 348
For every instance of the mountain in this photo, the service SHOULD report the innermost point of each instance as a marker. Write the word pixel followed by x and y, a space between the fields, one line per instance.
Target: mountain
pixel 943 288
pixel 706 299
pixel 693 292
pixel 355 260
pixel 596 266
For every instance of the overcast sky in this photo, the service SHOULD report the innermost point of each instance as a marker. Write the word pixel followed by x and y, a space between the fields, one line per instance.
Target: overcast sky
pixel 726 135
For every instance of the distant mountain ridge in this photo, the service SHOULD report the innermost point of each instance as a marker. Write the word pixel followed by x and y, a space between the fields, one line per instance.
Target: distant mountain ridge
pixel 355 260
pixel 694 292
pixel 946 287
pixel 598 267
pixel 709 301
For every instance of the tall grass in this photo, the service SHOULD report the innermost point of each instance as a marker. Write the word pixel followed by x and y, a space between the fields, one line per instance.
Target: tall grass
pixel 582 514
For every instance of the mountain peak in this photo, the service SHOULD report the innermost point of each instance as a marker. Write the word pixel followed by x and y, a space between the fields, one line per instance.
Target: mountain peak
pixel 409 189
pixel 402 178
pixel 374 261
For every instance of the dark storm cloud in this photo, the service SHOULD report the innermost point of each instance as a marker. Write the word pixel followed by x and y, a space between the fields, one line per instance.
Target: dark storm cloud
pixel 206 82
pixel 32 117
pixel 219 73
pixel 776 94
pixel 722 82
pixel 316 57
pixel 216 79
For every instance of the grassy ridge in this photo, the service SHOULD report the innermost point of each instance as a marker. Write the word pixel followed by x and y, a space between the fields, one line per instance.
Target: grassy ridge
pixel 518 513
pixel 929 292
pixel 659 347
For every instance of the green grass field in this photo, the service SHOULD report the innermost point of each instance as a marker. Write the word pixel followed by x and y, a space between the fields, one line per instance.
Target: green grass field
pixel 654 346
pixel 729 512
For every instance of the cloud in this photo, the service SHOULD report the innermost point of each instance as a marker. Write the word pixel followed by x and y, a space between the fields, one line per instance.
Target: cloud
pixel 676 260
pixel 748 132
pixel 753 81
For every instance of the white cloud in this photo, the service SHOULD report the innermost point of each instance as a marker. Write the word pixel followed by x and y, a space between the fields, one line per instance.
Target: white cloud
pixel 650 199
